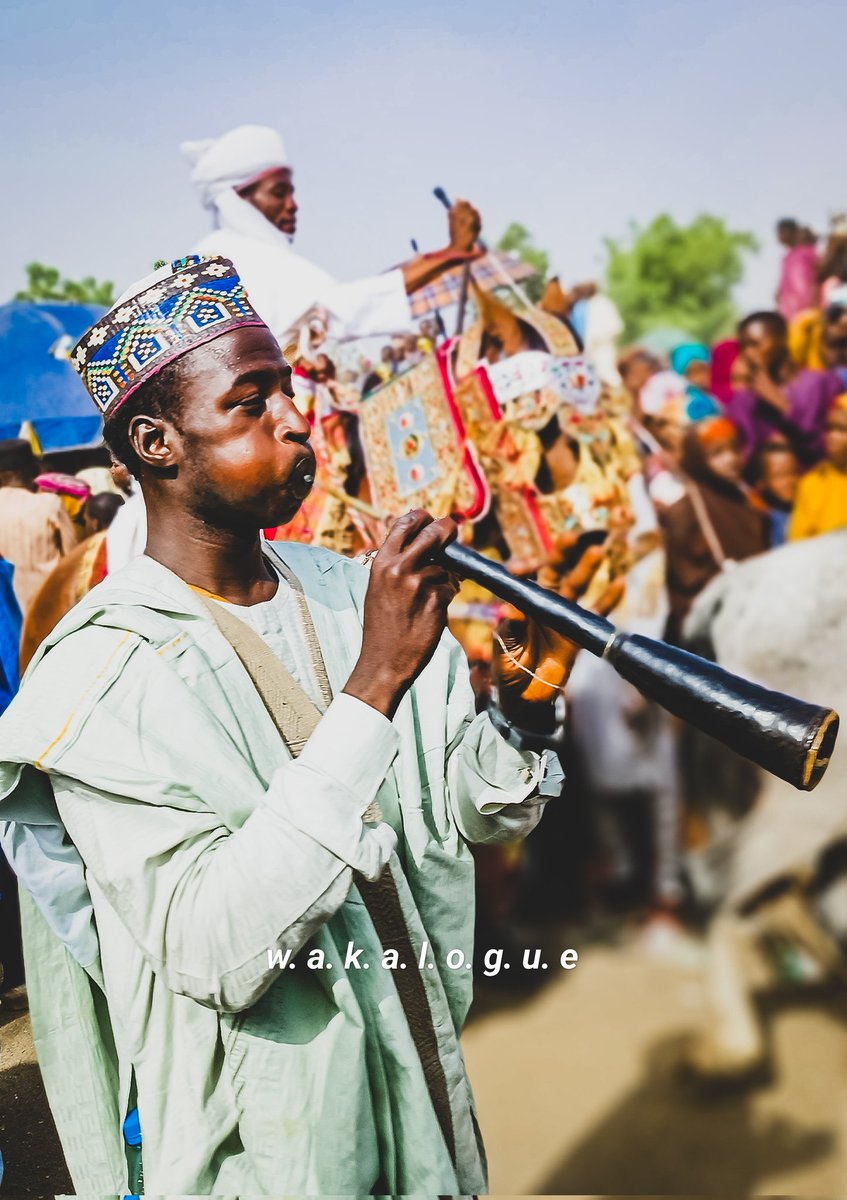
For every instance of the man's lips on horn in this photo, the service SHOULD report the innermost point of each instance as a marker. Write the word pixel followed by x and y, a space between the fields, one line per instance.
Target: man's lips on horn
pixel 303 476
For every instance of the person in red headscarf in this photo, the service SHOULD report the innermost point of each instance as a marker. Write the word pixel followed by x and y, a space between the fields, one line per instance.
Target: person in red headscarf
pixel 729 371
pixel 716 523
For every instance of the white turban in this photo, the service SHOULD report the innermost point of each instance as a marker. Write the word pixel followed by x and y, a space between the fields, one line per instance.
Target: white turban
pixel 234 160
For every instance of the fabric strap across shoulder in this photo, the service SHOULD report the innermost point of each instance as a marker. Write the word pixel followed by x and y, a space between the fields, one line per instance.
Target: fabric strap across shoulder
pixel 296 717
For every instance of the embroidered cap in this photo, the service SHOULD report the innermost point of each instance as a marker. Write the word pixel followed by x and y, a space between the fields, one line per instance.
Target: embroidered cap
pixel 178 307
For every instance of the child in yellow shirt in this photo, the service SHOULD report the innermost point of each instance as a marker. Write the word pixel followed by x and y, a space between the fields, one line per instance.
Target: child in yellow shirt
pixel 821 504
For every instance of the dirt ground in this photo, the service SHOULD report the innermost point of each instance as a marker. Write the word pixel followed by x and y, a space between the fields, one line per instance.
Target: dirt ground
pixel 578 1090
pixel 577 1093
pixel 33 1160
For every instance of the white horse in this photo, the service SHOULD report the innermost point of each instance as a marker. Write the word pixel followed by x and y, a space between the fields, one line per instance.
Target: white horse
pixel 781 620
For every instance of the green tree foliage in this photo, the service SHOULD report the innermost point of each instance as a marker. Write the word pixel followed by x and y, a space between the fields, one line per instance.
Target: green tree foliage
pixel 518 240
pixel 45 283
pixel 677 275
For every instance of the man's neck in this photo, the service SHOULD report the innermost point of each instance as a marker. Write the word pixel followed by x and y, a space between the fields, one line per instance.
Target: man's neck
pixel 228 565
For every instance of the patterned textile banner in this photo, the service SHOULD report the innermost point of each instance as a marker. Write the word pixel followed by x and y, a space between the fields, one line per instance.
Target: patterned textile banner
pixel 573 379
pixel 488 273
pixel 415 446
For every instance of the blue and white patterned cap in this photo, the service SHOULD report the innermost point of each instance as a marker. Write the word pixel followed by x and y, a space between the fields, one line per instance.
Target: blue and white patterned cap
pixel 178 307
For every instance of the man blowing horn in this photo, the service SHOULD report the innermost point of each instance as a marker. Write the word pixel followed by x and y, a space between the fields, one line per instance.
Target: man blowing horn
pixel 238 786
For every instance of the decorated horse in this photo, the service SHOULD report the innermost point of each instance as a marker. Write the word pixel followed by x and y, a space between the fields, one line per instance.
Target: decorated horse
pixel 505 427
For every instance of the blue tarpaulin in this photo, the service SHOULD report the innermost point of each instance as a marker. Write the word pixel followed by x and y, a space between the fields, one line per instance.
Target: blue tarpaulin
pixel 37 382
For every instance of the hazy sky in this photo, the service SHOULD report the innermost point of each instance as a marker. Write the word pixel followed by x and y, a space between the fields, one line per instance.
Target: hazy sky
pixel 572 116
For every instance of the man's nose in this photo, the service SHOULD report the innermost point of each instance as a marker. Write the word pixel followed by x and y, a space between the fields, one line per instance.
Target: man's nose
pixel 291 424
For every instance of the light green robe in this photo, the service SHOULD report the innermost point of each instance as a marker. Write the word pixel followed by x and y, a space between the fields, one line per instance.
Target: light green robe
pixel 159 752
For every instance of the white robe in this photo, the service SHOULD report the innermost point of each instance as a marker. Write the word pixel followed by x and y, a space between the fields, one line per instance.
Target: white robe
pixel 162 853
pixel 283 285
pixel 603 327
pixel 126 537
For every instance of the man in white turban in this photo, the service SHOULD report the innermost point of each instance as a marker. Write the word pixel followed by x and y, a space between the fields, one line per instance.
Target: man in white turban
pixel 245 179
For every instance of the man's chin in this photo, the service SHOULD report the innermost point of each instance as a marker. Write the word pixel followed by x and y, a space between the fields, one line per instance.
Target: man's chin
pixel 283 513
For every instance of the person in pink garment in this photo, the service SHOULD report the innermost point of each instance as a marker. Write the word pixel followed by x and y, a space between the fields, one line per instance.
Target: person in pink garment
pixel 782 402
pixel 798 281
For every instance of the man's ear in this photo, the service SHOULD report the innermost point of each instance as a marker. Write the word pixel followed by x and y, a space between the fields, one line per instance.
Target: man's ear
pixel 155 441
